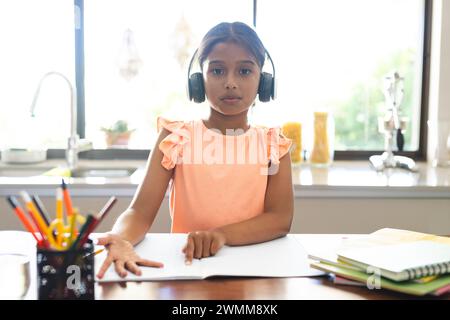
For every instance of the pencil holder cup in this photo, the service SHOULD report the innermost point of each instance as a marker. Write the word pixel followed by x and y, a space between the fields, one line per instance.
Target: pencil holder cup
pixel 66 274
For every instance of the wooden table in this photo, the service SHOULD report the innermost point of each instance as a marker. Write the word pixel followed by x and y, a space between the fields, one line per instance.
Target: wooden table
pixel 230 288
pixel 246 289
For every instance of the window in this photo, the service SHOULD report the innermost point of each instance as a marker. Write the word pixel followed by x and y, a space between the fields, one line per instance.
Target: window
pixel 37 37
pixel 334 55
pixel 328 55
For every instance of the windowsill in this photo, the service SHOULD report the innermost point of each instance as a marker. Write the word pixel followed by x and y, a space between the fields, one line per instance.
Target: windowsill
pixel 356 179
pixel 343 179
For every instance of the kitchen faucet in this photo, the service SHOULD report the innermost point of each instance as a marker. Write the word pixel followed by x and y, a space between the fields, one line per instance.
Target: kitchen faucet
pixel 75 144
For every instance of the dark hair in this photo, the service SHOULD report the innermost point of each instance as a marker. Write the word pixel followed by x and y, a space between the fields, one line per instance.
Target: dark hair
pixel 237 32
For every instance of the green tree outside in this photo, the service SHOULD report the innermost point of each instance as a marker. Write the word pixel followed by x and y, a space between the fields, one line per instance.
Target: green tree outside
pixel 356 119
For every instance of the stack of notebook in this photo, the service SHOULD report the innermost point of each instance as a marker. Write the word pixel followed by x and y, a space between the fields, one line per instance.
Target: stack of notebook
pixel 405 261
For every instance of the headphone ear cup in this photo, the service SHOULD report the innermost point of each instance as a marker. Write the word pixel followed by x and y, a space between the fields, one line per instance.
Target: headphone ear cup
pixel 265 89
pixel 196 87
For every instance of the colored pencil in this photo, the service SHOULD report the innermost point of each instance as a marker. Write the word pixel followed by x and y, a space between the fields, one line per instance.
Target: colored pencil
pixel 40 223
pixel 27 224
pixel 84 229
pixel 67 199
pixel 94 253
pixel 73 232
pixel 59 213
pixel 101 215
pixel 41 209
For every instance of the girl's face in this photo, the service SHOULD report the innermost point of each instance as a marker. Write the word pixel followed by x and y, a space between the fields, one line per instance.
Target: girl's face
pixel 231 76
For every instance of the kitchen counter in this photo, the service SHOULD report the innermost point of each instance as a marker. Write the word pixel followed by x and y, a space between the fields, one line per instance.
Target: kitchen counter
pixel 358 179
pixel 91 186
pixel 341 179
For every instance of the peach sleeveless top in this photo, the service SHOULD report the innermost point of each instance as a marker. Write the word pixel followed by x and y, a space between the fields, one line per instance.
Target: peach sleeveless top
pixel 218 179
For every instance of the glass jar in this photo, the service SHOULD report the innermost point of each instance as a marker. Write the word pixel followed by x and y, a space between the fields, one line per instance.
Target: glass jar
pixel 322 153
pixel 293 131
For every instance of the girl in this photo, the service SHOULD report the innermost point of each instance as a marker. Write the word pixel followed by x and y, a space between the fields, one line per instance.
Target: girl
pixel 230 182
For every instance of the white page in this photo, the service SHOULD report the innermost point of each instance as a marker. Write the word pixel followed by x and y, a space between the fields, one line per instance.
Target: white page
pixel 284 257
pixel 165 248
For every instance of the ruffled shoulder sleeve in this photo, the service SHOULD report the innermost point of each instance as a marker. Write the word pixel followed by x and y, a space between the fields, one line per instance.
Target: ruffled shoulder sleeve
pixel 277 145
pixel 172 145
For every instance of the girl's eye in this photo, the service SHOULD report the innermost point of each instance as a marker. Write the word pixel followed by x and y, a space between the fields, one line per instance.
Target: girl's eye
pixel 245 71
pixel 217 71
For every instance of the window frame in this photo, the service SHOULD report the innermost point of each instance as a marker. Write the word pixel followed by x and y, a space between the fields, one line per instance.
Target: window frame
pixel 420 154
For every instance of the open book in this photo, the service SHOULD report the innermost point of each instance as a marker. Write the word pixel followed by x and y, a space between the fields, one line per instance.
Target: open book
pixel 283 257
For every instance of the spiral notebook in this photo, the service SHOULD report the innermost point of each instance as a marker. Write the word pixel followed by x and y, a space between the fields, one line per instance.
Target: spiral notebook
pixel 400 262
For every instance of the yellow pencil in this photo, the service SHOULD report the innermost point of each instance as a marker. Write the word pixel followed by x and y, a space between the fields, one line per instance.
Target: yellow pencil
pixel 59 213
pixel 427 279
pixel 94 253
pixel 73 221
pixel 58 226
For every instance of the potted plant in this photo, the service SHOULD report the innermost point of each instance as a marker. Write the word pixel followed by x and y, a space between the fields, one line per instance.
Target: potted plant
pixel 118 134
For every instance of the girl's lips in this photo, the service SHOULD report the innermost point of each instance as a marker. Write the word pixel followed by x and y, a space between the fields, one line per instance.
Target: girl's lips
pixel 231 99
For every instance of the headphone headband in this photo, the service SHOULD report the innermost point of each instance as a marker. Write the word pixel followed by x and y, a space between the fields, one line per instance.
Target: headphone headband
pixel 190 62
pixel 271 62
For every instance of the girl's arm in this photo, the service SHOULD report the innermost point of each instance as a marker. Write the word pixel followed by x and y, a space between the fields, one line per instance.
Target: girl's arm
pixel 276 219
pixel 273 223
pixel 134 223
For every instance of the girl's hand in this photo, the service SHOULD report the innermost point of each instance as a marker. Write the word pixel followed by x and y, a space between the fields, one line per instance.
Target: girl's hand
pixel 122 254
pixel 202 244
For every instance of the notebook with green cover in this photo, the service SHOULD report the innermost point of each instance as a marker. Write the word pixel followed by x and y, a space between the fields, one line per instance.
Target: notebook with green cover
pixel 402 261
pixel 372 281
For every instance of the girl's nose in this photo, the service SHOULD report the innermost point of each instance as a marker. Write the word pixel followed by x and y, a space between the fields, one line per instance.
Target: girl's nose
pixel 230 83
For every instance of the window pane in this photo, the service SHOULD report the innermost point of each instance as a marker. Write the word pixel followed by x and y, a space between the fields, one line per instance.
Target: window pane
pixel 37 37
pixel 334 55
pixel 136 55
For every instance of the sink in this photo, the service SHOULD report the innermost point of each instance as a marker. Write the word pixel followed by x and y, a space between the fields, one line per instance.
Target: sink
pixel 81 172
pixel 102 172
pixel 21 172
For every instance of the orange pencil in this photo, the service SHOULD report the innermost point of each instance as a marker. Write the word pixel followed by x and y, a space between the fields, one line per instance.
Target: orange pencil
pixel 68 203
pixel 40 221
pixel 27 224
pixel 67 199
pixel 35 225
